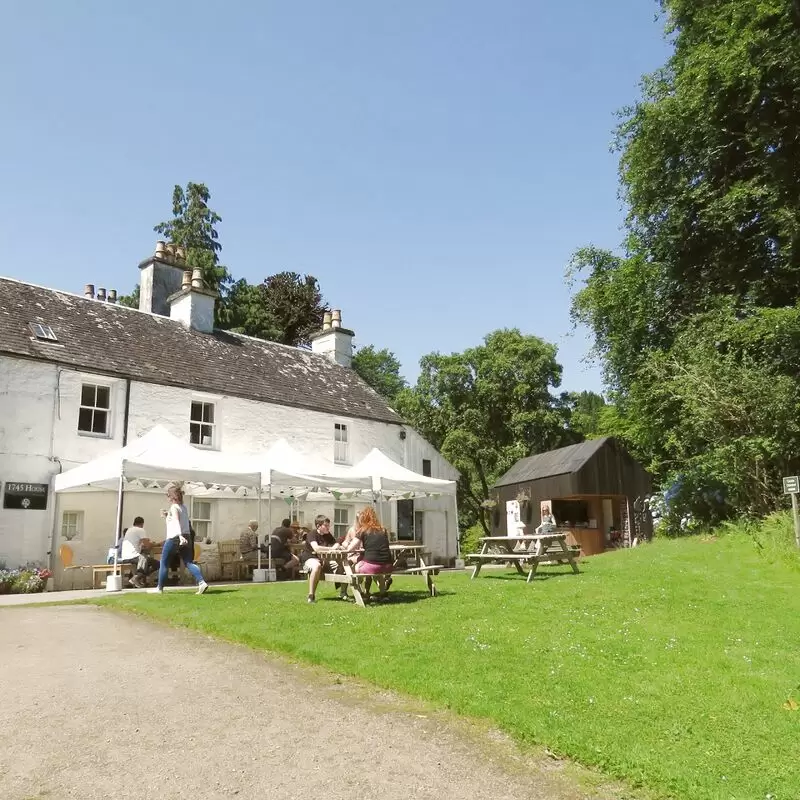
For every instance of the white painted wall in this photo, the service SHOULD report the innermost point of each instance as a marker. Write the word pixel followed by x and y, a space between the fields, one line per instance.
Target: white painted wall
pixel 39 405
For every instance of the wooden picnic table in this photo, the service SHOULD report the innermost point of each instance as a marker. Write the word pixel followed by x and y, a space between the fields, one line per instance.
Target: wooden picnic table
pixel 524 551
pixel 344 569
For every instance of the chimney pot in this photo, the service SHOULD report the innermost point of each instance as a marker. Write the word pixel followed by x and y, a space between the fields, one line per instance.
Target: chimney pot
pixel 186 281
pixel 88 291
pixel 101 294
pixel 161 249
pixel 336 318
pixel 197 278
pixel 112 295
pixel 326 321
pixel 180 254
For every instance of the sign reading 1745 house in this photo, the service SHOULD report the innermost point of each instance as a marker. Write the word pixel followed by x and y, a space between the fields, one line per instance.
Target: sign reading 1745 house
pixel 25 496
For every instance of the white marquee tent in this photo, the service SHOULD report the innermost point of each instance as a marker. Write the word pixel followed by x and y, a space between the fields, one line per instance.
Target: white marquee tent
pixel 159 456
pixel 394 481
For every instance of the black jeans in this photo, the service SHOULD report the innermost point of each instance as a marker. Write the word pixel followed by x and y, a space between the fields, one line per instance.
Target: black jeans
pixel 144 564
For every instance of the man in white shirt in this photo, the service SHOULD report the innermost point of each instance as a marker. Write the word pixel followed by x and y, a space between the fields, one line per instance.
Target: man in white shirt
pixel 134 545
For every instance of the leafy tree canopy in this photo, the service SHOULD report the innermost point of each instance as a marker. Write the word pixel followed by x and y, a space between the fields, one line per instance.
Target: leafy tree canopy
pixel 194 227
pixel 486 408
pixel 286 307
pixel 710 174
pixel 381 370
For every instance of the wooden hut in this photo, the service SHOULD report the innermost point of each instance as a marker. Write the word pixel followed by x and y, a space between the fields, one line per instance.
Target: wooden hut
pixel 595 491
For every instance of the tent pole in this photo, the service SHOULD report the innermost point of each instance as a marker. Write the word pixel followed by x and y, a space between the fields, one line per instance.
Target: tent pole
pixel 269 525
pixel 119 517
pixel 258 495
pixel 458 534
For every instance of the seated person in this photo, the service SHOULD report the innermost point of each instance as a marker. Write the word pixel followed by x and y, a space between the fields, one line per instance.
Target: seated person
pixel 548 524
pixel 134 546
pixel 328 539
pixel 248 541
pixel 280 548
pixel 377 558
pixel 346 543
pixel 312 558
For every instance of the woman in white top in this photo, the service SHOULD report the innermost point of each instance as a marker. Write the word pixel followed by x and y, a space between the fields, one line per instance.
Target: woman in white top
pixel 177 538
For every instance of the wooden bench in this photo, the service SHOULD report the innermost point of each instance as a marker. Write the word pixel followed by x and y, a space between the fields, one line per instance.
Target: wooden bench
pixel 429 570
pixel 107 569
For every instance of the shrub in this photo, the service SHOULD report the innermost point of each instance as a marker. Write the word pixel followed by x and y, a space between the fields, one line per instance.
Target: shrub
pixel 772 536
pixel 469 539
pixel 28 580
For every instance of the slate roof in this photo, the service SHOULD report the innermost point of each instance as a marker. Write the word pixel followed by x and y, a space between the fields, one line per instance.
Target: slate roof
pixel 111 339
pixel 563 461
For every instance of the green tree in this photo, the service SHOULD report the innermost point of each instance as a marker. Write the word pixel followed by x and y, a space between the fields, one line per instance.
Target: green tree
pixel 486 408
pixel 130 300
pixel 286 307
pixel 710 174
pixel 194 227
pixel 381 370
pixel 587 413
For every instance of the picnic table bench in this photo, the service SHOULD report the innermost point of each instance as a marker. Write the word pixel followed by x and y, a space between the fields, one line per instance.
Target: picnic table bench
pixel 524 551
pixel 346 574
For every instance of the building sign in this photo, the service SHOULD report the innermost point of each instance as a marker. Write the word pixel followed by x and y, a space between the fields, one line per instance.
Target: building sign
pixel 791 485
pixel 27 496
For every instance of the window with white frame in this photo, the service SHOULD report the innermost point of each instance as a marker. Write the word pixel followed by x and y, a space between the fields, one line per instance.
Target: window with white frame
pixel 71 525
pixel 201 519
pixel 201 424
pixel 341 521
pixel 341 444
pixel 93 416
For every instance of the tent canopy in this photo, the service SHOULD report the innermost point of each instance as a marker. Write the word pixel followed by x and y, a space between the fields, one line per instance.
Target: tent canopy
pixel 158 455
pixel 283 466
pixel 389 477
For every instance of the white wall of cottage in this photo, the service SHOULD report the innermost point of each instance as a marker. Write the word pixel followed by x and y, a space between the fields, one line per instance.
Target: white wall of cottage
pixel 39 436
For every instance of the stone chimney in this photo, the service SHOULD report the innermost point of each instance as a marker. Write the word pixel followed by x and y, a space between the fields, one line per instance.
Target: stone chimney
pixel 193 304
pixel 161 278
pixel 333 340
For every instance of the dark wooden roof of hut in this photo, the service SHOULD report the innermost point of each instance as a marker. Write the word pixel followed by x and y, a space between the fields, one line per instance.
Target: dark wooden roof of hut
pixel 593 467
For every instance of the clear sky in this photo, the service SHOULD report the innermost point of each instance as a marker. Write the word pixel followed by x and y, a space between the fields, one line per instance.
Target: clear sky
pixel 433 163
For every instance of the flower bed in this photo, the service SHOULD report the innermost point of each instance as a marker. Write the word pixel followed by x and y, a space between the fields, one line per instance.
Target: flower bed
pixel 23 581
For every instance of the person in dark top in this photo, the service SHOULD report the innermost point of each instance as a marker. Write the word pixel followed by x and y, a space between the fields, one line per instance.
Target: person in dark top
pixel 280 547
pixel 311 558
pixel 377 559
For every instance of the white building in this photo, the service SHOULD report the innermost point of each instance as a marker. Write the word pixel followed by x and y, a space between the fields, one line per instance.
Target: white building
pixel 81 376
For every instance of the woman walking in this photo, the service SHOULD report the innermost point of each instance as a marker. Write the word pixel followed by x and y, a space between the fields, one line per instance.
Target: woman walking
pixel 178 540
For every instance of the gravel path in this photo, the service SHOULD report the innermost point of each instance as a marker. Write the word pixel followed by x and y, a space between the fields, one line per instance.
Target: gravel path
pixel 251 727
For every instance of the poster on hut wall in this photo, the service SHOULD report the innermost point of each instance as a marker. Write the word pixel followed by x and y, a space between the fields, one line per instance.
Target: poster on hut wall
pixel 513 527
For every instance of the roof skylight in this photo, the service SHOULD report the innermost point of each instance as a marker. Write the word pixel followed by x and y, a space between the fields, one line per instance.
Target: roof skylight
pixel 43 332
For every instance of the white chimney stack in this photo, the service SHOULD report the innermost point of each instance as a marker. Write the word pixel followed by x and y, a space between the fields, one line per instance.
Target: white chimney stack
pixel 193 304
pixel 334 341
pixel 160 278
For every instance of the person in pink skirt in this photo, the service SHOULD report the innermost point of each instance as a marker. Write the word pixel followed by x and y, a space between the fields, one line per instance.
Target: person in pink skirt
pixel 377 558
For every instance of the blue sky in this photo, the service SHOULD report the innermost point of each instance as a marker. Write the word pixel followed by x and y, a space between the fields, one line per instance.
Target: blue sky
pixel 433 163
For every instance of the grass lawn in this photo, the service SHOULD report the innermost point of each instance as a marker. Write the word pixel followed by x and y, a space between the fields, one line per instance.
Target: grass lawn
pixel 667 666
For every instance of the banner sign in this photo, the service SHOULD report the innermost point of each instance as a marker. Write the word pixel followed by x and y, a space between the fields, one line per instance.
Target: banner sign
pixel 26 496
